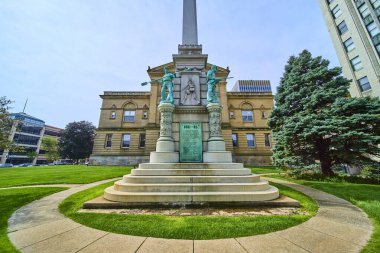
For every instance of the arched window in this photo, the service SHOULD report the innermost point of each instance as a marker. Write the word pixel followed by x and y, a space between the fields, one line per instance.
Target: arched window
pixel 129 112
pixel 247 112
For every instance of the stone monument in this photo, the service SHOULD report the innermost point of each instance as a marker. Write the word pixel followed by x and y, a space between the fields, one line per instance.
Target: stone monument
pixel 190 165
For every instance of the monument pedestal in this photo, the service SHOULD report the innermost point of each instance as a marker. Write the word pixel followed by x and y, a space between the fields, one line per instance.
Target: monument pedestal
pixel 165 147
pixel 216 147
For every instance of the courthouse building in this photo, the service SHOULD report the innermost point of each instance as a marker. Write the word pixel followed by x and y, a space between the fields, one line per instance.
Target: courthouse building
pixel 354 27
pixel 129 124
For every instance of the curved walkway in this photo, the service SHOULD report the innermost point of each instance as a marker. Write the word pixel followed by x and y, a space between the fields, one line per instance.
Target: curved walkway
pixel 339 226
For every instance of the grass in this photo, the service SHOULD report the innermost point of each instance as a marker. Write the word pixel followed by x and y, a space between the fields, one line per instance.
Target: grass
pixel 62 174
pixel 13 199
pixel 265 169
pixel 364 196
pixel 190 227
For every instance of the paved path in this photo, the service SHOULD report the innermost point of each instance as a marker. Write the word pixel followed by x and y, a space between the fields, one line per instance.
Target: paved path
pixel 339 226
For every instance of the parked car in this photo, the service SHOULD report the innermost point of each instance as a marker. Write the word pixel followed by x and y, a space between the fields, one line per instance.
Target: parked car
pixel 6 165
pixel 24 165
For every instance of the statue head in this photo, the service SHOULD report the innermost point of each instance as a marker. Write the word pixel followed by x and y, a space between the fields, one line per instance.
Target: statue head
pixel 213 68
pixel 166 70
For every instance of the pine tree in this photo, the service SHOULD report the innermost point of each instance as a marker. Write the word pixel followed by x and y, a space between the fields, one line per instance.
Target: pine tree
pixel 316 122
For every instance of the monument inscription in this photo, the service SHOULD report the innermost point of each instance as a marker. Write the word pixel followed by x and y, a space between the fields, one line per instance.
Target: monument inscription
pixel 190 142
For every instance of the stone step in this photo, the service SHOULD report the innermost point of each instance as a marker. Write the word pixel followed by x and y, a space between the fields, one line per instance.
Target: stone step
pixel 190 179
pixel 191 166
pixel 191 172
pixel 190 197
pixel 195 187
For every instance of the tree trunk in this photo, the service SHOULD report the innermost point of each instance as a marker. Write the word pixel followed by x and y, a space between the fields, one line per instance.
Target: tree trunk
pixel 324 157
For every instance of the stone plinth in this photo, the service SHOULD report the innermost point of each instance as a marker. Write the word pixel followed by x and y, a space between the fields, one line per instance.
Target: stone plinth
pixel 165 147
pixel 216 147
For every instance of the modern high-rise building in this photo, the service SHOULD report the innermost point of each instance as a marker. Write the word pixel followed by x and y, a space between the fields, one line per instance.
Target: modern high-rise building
pixel 354 27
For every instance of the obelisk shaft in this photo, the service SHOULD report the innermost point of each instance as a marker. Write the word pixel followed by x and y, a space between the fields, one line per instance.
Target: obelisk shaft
pixel 189 26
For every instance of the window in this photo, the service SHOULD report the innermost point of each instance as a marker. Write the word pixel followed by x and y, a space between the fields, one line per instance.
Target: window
pixel 330 1
pixel 349 45
pixel 232 115
pixel 145 114
pixel 364 11
pixel 129 116
pixel 108 142
pixel 126 141
pixel 142 141
pixel 113 115
pixel 375 3
pixel 247 115
pixel 250 140
pixel 336 11
pixel 373 29
pixel 378 48
pixel 342 27
pixel 367 20
pixel 267 140
pixel 263 115
pixel 364 84
pixel 234 140
pixel 356 63
pixel 359 2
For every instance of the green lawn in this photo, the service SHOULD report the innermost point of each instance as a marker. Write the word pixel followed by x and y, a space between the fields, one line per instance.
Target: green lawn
pixel 365 196
pixel 62 174
pixel 193 227
pixel 13 199
pixel 265 169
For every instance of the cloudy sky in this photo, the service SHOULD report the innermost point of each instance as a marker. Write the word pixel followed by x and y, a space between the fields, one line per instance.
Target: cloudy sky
pixel 62 54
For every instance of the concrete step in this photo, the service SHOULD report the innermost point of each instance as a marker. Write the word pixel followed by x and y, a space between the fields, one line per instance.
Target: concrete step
pixel 190 197
pixel 195 187
pixel 191 172
pixel 190 179
pixel 191 166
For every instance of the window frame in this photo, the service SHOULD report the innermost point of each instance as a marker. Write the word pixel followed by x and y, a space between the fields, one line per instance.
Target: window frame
pixel 267 140
pixel 364 84
pixel 356 63
pixel 123 141
pixel 349 47
pixel 336 11
pixel 108 140
pixel 113 115
pixel 125 116
pixel 342 25
pixel 253 140
pixel 235 143
pixel 140 140
pixel 246 118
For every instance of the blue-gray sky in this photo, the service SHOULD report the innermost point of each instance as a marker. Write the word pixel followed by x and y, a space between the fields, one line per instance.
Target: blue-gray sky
pixel 62 54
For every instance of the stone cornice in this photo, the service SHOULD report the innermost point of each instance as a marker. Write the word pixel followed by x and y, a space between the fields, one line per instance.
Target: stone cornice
pixel 249 94
pixel 190 109
pixel 250 129
pixel 125 94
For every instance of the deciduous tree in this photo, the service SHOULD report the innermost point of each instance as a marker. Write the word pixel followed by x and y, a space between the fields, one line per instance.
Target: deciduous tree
pixel 77 140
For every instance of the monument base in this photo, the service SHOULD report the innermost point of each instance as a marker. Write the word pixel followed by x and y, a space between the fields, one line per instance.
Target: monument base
pixel 217 157
pixel 164 157
pixel 216 144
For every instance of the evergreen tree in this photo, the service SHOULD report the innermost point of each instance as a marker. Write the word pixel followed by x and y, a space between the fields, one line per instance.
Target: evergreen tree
pixel 315 121
pixel 77 140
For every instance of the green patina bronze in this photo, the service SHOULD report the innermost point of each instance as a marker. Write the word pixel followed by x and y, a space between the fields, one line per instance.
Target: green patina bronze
pixel 212 81
pixel 167 86
pixel 190 142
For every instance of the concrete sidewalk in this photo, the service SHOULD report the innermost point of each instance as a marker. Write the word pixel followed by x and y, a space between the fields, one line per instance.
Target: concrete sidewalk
pixel 339 226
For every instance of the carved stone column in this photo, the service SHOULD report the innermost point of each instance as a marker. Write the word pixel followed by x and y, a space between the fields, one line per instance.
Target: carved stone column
pixel 165 147
pixel 215 141
pixel 216 146
pixel 166 142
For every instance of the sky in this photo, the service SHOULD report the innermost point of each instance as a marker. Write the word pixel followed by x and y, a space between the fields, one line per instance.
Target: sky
pixel 62 54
